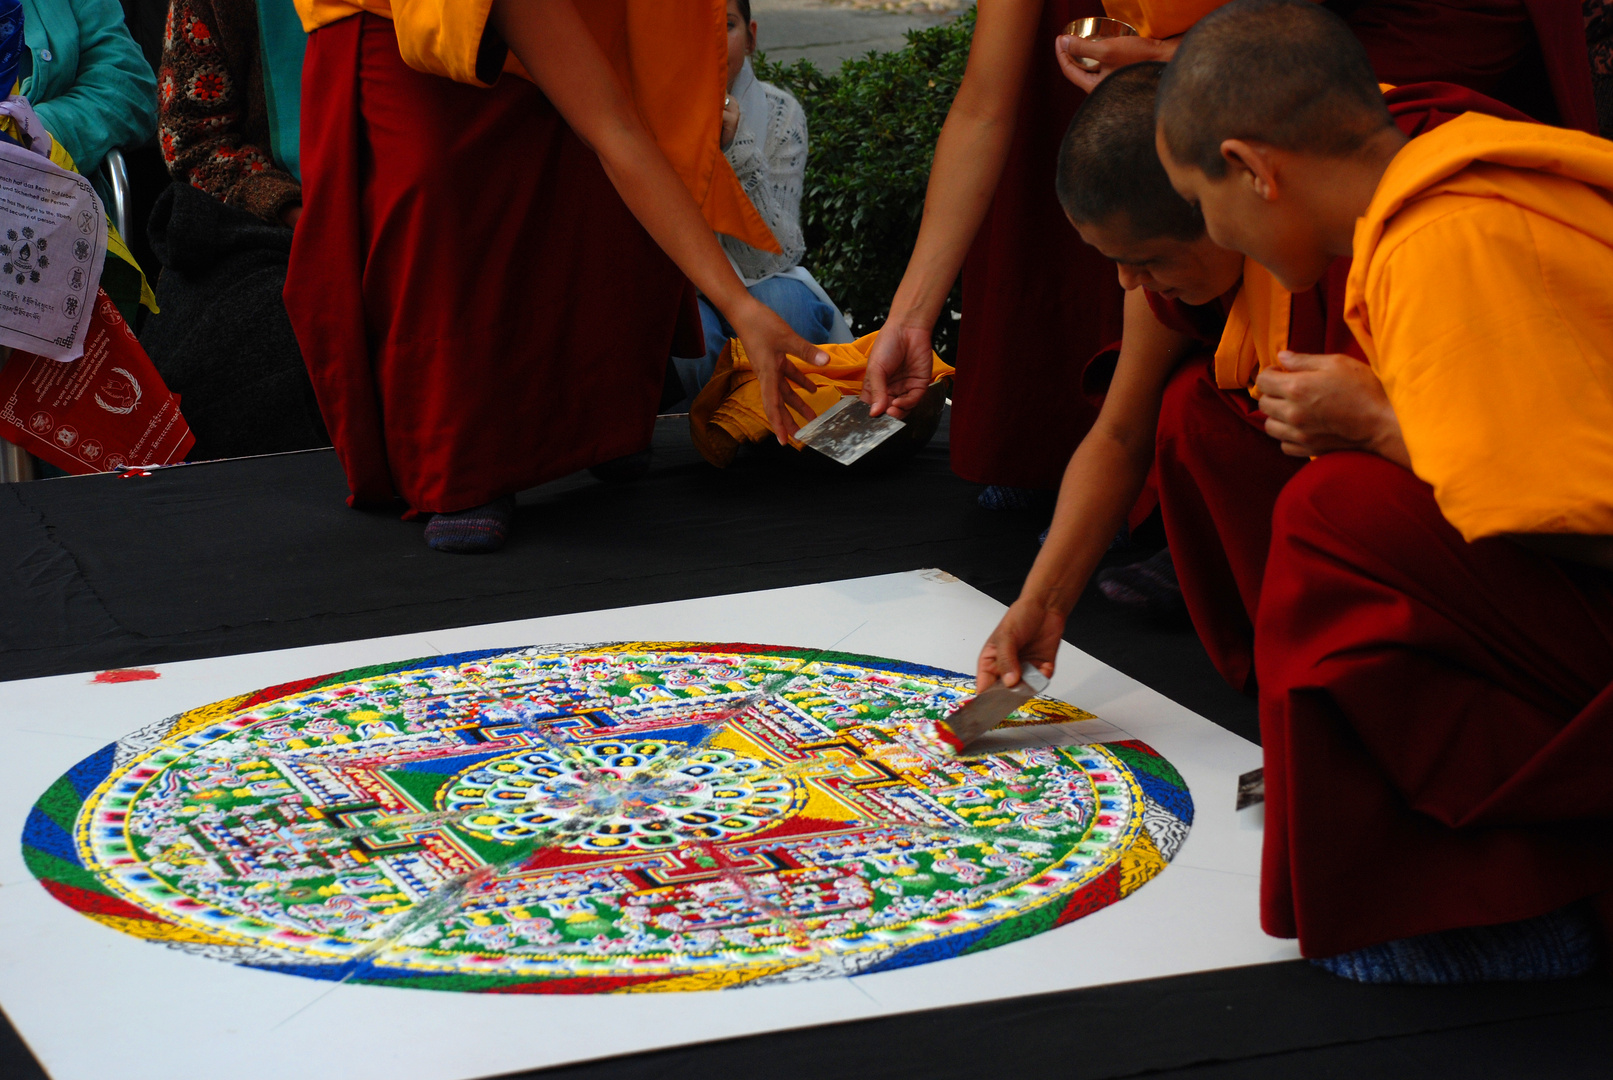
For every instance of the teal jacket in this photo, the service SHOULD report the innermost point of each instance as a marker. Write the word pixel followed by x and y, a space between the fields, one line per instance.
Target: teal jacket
pixel 90 84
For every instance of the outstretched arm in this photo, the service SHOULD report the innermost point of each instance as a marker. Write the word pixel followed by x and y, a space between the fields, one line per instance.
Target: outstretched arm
pixel 554 45
pixel 1100 485
pixel 969 158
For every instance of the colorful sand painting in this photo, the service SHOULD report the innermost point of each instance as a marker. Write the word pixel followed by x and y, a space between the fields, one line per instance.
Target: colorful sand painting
pixel 599 818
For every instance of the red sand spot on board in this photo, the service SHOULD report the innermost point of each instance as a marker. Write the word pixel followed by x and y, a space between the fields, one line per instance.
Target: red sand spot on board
pixel 117 675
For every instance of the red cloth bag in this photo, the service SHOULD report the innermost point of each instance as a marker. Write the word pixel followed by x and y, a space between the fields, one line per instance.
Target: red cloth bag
pixel 107 409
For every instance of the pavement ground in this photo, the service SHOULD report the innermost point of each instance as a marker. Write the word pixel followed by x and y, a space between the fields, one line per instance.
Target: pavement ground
pixel 828 33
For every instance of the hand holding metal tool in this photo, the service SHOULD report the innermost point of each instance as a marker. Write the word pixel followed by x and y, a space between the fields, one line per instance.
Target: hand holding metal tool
pixel 989 708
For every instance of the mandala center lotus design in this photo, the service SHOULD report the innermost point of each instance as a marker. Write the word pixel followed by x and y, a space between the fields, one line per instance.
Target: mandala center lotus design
pixel 613 796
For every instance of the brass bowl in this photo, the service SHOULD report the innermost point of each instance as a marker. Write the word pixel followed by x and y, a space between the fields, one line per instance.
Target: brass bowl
pixel 1098 28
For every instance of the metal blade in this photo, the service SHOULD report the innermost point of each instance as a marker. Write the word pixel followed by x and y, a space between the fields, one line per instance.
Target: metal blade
pixel 985 711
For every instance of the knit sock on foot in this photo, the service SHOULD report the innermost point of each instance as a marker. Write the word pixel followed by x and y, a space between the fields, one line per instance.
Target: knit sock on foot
pixel 476 531
pixel 1150 584
pixel 1558 945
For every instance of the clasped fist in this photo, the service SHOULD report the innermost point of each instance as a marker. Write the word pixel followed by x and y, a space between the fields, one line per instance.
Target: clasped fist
pixel 1315 404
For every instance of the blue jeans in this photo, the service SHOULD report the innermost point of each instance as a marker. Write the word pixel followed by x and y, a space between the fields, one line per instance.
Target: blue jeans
pixel 796 304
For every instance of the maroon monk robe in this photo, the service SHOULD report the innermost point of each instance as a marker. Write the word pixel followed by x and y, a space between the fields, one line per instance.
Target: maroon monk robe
pixel 478 310
pixel 1529 54
pixel 1436 717
pixel 1218 473
pixel 1034 298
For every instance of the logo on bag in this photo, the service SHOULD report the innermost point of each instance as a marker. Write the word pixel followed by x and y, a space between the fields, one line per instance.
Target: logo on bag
pixel 24 255
pixel 121 393
pixel 66 436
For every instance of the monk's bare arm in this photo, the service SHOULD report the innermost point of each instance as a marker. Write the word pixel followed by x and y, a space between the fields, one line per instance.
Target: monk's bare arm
pixel 1100 485
pixel 557 50
pixel 969 157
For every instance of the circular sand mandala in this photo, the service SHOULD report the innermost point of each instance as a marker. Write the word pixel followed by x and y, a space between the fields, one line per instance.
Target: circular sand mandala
pixel 580 819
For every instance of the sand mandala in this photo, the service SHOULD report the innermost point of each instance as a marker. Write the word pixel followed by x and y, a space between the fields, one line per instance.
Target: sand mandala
pixel 595 818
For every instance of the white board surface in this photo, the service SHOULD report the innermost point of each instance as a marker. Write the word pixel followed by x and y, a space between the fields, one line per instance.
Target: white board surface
pixel 94 1003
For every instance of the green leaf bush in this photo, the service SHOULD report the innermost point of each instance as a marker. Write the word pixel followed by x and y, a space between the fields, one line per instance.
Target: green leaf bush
pixel 872 129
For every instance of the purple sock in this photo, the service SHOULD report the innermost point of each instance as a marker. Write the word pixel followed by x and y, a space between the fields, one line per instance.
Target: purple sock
pixel 476 531
pixel 1150 584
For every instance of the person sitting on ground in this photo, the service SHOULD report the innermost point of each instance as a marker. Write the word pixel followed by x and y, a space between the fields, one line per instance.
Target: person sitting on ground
pixel 1434 638
pixel 764 137
pixel 229 99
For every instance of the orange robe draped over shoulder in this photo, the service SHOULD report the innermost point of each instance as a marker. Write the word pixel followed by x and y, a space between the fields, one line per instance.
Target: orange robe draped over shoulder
pixel 1479 291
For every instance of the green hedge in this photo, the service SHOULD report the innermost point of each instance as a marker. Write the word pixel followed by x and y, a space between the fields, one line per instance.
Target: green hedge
pixel 872 129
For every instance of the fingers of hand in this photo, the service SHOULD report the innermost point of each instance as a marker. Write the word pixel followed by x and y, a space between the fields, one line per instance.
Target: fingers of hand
pixel 1273 383
pixel 796 375
pixel 1284 432
pixel 1298 361
pixel 795 402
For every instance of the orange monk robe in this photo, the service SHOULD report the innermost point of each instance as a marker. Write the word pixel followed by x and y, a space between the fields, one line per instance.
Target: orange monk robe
pixel 1480 294
pixel 671 55
pixel 1160 18
pixel 728 411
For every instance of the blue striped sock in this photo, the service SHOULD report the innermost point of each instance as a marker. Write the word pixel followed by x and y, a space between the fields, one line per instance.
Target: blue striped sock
pixel 1558 945
pixel 476 531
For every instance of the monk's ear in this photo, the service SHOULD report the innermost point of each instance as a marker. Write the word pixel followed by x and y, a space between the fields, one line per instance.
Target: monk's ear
pixel 1251 164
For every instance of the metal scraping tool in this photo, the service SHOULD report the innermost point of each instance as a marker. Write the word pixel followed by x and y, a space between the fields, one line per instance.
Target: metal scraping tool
pixel 845 432
pixel 986 710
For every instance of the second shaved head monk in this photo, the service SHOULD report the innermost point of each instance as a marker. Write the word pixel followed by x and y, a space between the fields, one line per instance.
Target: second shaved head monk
pixel 1434 639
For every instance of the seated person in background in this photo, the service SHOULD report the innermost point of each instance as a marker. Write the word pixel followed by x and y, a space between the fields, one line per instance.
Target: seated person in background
pixel 93 91
pixel 230 97
pixel 764 136
pixel 1434 638
pixel 87 80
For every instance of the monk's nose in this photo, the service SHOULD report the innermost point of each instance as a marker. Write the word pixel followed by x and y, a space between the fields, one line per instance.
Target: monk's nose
pixel 1131 278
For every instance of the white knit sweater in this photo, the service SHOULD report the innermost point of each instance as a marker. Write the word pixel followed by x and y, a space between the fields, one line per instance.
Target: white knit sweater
pixel 769 155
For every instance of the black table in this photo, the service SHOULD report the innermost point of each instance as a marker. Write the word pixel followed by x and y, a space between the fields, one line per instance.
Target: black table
pixel 240 556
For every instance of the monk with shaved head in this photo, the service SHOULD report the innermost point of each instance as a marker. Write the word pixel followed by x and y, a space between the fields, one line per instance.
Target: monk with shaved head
pixel 1200 322
pixel 1434 637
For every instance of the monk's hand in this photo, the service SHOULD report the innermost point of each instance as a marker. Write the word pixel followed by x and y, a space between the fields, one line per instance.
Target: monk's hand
pixel 1029 633
pixel 1315 404
pixel 770 344
pixel 1110 54
pixel 899 370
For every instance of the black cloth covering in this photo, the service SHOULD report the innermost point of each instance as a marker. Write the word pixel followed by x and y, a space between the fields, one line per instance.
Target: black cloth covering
pixel 222 341
pixel 232 557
